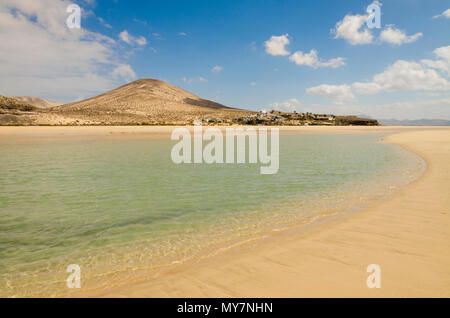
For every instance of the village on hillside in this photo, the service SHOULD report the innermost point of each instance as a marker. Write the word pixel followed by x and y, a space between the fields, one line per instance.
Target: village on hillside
pixel 278 118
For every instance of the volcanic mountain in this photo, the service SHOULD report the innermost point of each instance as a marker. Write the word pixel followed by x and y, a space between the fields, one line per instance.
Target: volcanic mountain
pixel 145 101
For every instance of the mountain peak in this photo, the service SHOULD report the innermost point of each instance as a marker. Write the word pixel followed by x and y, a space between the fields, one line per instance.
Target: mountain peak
pixel 149 101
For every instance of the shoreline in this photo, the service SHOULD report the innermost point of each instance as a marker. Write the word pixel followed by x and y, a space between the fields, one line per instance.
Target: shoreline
pixel 330 258
pixel 43 132
pixel 405 233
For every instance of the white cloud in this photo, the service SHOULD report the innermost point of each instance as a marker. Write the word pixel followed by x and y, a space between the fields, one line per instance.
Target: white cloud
pixel 289 105
pixel 406 75
pixel 308 59
pixel 400 76
pixel 216 69
pixel 335 92
pixel 354 30
pixel 366 88
pixel 351 29
pixel 445 14
pixel 276 45
pixel 194 79
pixel 397 37
pixel 125 36
pixel 443 53
pixel 253 84
pixel 182 34
pixel 311 59
pixel 41 56
pixel 333 63
pixel 442 62
pixel 141 40
pixel 124 71
pixel 129 39
pixel 437 64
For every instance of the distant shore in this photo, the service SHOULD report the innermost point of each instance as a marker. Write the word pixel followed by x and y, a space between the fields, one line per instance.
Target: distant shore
pixel 406 234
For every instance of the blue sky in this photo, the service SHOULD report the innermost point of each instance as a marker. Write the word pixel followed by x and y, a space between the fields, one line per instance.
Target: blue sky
pixel 182 41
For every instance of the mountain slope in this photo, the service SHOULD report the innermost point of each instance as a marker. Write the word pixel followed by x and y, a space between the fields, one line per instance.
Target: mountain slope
pixel 146 101
pixel 9 104
pixel 36 101
pixel 14 112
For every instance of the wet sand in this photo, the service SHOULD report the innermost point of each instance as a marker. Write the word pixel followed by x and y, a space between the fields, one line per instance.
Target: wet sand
pixel 42 132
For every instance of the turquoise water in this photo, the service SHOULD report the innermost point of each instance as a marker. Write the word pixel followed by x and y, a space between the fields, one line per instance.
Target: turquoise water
pixel 122 210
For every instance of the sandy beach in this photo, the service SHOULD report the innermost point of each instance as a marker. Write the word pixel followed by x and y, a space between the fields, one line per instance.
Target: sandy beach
pixel 406 234
pixel 224 149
